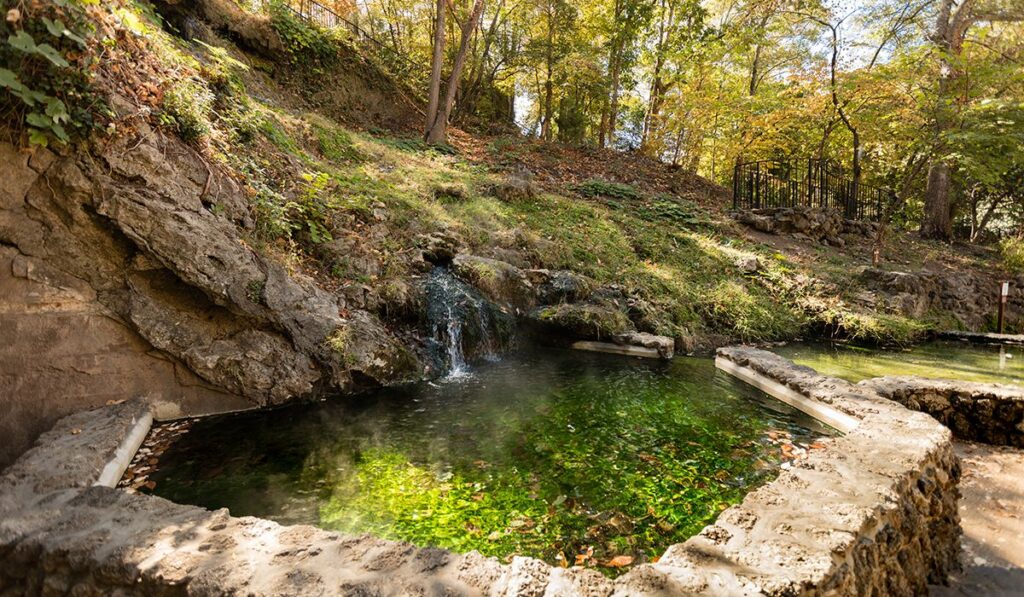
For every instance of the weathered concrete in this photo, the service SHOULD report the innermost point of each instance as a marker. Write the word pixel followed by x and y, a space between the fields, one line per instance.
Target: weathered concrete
pixel 873 512
pixel 622 349
pixel 982 337
pixel 984 412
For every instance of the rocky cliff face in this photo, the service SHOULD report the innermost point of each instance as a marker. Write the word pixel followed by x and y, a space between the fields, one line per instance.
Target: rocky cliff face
pixel 126 271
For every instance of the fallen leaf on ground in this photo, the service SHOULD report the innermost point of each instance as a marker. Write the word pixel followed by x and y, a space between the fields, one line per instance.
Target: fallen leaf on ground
pixel 619 561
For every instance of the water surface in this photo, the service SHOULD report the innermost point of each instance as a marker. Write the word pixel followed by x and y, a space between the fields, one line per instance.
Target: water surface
pixel 943 359
pixel 561 455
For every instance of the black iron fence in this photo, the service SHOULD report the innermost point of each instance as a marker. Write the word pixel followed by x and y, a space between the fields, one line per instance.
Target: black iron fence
pixel 806 183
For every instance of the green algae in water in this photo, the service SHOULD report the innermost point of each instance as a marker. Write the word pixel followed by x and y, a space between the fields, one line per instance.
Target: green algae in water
pixel 948 360
pixel 547 454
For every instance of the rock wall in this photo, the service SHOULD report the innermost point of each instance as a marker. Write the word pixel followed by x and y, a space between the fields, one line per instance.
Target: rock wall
pixel 126 271
pixel 872 513
pixel 980 412
pixel 972 297
pixel 820 224
pixel 62 351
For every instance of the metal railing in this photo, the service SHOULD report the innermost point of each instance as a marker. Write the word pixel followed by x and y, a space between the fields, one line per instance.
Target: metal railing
pixel 810 183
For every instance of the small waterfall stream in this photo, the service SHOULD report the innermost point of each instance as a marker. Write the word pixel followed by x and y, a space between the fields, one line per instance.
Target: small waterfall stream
pixel 462 324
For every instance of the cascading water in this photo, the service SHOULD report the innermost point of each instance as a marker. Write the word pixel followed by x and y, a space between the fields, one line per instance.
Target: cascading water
pixel 462 324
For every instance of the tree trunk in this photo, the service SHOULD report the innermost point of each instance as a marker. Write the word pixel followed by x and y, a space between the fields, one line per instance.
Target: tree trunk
pixel 950 29
pixel 545 127
pixel 937 222
pixel 434 95
pixel 658 86
pixel 438 132
pixel 755 67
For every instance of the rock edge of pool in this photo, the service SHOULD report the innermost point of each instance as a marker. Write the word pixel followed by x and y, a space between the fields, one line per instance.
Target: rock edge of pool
pixel 875 511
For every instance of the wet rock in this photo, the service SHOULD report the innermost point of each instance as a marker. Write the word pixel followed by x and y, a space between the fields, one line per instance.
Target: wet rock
pixel 597 320
pixel 559 286
pixel 500 282
pixel 223 350
pixel 439 247
pixel 370 354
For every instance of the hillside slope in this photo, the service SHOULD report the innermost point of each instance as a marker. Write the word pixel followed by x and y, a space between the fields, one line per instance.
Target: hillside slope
pixel 253 218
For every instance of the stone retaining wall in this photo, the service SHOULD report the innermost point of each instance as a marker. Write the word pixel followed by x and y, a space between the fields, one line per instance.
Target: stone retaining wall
pixel 981 412
pixel 821 224
pixel 874 512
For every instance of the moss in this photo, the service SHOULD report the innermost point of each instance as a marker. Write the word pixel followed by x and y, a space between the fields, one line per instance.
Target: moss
pixel 254 290
pixel 336 144
pixel 340 342
pixel 602 188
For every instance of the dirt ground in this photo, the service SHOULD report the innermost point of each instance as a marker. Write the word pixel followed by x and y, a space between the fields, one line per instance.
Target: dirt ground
pixel 992 516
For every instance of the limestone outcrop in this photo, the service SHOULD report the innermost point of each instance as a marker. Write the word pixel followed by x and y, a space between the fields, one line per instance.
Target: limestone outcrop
pixel 143 234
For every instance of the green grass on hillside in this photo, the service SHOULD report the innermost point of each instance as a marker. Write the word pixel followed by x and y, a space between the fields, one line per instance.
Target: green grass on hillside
pixel 312 180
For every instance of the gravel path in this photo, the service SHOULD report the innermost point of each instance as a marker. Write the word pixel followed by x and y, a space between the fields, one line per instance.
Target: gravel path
pixel 992 516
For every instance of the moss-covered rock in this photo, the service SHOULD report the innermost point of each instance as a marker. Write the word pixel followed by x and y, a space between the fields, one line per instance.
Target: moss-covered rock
pixel 599 320
pixel 500 282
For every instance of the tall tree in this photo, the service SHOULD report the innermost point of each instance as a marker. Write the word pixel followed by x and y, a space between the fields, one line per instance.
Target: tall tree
pixel 952 23
pixel 437 128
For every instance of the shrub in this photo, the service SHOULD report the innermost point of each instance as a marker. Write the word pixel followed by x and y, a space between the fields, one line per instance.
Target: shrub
pixel 1012 250
pixel 306 44
pixel 187 106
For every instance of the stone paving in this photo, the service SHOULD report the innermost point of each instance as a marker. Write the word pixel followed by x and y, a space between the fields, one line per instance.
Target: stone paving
pixel 992 517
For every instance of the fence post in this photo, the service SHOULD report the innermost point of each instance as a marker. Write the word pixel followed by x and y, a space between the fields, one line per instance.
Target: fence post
pixel 736 184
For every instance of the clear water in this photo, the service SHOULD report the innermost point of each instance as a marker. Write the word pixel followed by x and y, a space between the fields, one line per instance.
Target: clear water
pixel 952 360
pixel 561 455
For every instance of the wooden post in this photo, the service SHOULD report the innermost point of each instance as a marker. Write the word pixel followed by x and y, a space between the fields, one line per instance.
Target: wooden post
pixel 1004 292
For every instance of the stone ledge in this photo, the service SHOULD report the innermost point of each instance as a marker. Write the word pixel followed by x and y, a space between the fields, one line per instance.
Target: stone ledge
pixel 982 412
pixel 982 337
pixel 875 511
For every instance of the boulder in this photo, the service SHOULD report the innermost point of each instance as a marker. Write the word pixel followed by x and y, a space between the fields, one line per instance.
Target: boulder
pixel 500 282
pixel 597 320
pixel 748 264
pixel 663 344
pixel 518 185
pixel 559 286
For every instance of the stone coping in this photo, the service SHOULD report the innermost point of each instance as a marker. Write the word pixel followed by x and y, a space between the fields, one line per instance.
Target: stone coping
pixel 874 511
pixel 990 413
pixel 982 337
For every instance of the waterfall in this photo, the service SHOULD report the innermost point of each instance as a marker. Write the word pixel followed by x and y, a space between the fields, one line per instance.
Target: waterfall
pixel 462 324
